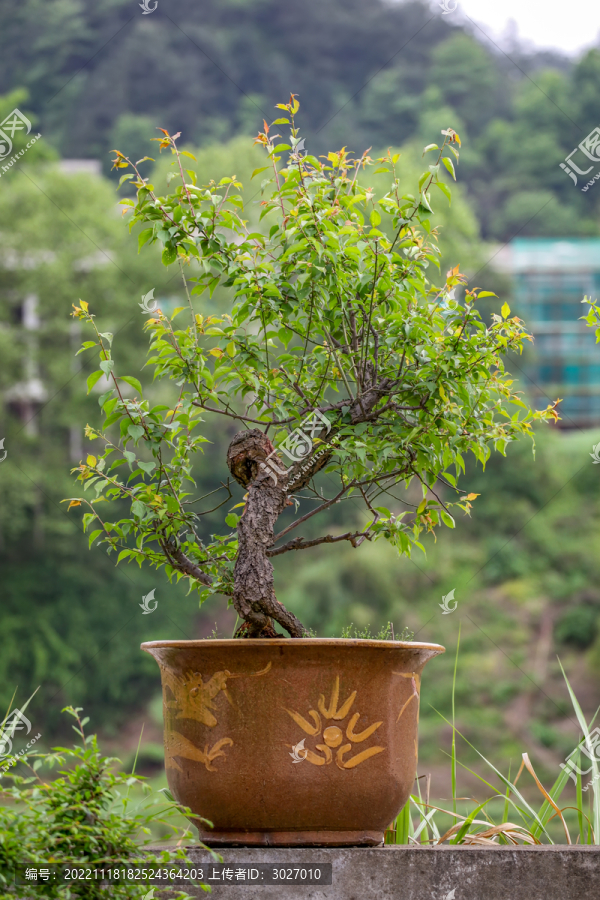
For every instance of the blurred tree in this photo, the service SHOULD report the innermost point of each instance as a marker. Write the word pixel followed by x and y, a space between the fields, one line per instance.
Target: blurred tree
pixel 67 622
pixel 365 70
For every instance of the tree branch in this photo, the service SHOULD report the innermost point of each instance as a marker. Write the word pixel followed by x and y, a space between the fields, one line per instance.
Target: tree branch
pixel 180 561
pixel 300 544
pixel 308 515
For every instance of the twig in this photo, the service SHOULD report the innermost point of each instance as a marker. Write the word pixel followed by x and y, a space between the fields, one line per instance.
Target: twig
pixel 300 544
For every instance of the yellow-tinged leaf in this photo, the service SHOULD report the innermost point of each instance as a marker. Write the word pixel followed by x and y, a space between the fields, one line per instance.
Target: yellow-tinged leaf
pixel 216 352
pixel 91 460
pixel 422 505
pixel 505 311
pixel 472 496
pixel 231 349
pixel 73 503
pixel 442 392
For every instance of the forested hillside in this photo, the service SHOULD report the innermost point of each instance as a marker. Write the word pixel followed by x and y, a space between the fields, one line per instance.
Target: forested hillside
pixel 368 74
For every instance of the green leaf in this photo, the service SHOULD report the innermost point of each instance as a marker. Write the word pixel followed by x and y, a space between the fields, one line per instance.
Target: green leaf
pixel 136 431
pixel 138 509
pixel 86 346
pixel 505 311
pixel 449 165
pixel 104 397
pixel 144 236
pixel 146 467
pixel 132 381
pixel 107 365
pixel 445 190
pixel 114 417
pixel 93 378
pixel 447 518
pixel 169 255
pixel 93 536
pixel 375 218
pixel 232 520
pixel 257 171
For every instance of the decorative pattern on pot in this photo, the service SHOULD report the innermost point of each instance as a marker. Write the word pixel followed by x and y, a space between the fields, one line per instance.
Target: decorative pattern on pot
pixel 415 683
pixel 178 745
pixel 333 735
pixel 194 699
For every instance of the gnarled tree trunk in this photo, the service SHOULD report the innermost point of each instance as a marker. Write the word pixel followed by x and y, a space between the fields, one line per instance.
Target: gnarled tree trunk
pixel 254 594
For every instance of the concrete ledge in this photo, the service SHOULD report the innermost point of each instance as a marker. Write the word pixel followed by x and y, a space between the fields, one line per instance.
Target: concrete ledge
pixel 420 873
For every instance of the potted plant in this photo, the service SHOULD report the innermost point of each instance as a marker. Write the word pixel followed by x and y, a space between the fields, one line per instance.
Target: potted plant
pixel 337 355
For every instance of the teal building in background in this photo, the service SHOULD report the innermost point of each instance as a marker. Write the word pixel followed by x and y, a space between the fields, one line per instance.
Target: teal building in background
pixel 551 278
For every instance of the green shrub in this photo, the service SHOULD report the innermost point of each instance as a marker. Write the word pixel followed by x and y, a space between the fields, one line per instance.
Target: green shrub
pixel 84 816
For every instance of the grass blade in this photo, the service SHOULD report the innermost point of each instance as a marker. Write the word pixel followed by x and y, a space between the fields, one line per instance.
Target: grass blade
pixel 545 793
pixel 454 723
pixel 595 798
pixel 503 779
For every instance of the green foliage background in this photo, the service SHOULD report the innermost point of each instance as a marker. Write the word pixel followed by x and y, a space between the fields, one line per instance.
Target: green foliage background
pixel 96 76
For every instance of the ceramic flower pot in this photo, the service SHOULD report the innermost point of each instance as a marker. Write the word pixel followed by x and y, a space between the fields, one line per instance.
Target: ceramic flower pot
pixel 291 742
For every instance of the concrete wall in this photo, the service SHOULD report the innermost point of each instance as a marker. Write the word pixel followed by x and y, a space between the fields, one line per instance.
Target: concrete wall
pixel 421 873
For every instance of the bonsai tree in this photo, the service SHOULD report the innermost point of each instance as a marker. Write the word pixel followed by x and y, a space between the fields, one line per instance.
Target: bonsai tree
pixel 338 353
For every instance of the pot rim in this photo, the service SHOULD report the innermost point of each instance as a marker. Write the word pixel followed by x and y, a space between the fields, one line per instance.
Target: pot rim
pixel 292 642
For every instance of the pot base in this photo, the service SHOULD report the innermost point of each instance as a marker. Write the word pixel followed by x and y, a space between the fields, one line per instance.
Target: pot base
pixel 291 838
